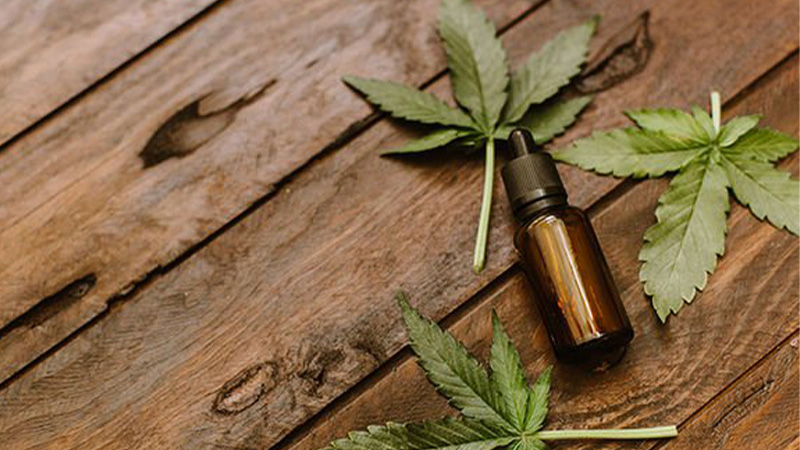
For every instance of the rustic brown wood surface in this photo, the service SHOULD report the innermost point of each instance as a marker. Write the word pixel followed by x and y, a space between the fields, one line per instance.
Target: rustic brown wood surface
pixel 280 330
pixel 230 102
pixel 174 205
pixel 50 51
pixel 758 411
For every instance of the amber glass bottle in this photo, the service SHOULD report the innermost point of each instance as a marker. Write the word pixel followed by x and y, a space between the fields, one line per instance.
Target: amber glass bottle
pixel 574 290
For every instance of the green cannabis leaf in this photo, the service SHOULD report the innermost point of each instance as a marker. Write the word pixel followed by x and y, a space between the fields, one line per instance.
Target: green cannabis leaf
pixel 681 249
pixel 491 103
pixel 497 410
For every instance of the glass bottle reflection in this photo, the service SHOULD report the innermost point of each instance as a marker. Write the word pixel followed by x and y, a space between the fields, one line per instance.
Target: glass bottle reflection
pixel 574 290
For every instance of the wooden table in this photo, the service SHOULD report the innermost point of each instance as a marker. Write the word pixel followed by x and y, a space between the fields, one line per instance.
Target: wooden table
pixel 200 245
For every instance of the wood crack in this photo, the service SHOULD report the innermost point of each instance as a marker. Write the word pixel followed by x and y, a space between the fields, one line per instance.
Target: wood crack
pixel 52 305
pixel 624 55
pixel 246 388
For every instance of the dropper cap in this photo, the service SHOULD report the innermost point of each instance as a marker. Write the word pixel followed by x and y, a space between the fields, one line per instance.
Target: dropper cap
pixel 531 178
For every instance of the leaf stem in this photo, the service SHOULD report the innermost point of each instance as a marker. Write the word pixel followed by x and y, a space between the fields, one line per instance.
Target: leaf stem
pixel 716 112
pixel 486 209
pixel 634 433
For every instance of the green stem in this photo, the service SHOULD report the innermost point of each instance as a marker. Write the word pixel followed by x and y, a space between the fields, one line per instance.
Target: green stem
pixel 634 433
pixel 486 209
pixel 716 112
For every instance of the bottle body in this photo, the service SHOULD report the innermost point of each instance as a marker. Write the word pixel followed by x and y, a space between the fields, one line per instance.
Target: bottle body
pixel 574 290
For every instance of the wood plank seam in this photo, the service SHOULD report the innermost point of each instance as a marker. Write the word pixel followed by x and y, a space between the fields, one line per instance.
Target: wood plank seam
pixel 78 96
pixel 764 359
pixel 733 102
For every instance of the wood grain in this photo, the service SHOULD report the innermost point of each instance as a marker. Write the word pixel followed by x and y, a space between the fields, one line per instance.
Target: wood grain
pixel 251 94
pixel 50 51
pixel 118 223
pixel 266 325
pixel 758 411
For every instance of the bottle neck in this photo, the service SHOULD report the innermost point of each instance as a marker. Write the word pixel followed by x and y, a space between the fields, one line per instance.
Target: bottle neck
pixel 533 209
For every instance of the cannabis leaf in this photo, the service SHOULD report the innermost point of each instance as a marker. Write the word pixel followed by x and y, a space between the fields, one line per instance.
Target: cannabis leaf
pixel 445 434
pixel 508 376
pixel 498 410
pixel 490 102
pixel 681 249
pixel 454 372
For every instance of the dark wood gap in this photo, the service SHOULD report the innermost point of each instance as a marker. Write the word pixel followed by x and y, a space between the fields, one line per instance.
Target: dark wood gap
pixel 790 59
pixel 51 305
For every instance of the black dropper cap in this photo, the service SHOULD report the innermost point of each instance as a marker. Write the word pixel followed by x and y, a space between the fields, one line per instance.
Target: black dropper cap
pixel 531 179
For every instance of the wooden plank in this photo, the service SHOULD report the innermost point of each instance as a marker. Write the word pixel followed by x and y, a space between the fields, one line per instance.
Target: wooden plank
pixel 758 411
pixel 50 51
pixel 670 370
pixel 267 324
pixel 84 235
pixel 133 202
